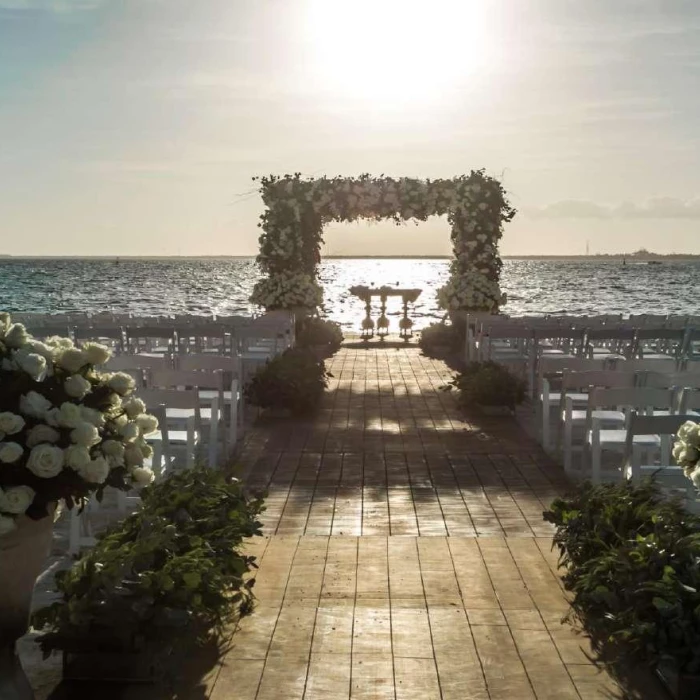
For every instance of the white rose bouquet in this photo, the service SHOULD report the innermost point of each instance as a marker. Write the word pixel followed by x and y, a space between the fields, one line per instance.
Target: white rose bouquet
pixel 686 451
pixel 66 429
pixel 287 290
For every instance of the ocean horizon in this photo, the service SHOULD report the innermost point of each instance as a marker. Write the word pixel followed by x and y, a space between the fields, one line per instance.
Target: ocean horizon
pixel 206 285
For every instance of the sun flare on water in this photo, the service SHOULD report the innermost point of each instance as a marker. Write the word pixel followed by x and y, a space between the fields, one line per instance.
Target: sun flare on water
pixel 396 51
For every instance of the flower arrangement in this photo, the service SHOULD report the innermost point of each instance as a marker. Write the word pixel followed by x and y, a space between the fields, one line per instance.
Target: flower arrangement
pixel 630 557
pixel 488 384
pixel 293 381
pixel 312 331
pixel 287 290
pixel 439 339
pixel 297 209
pixel 686 451
pixel 66 429
pixel 164 577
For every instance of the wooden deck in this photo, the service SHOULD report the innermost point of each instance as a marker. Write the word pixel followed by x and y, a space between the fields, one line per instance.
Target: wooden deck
pixel 405 554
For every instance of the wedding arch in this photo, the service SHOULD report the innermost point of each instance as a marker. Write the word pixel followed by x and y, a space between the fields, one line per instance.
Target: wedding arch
pixel 297 208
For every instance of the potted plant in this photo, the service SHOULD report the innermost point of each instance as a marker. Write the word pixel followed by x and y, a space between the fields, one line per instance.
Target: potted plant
pixel 320 335
pixel 168 576
pixel 439 340
pixel 66 430
pixel 490 387
pixel 292 382
pixel 630 556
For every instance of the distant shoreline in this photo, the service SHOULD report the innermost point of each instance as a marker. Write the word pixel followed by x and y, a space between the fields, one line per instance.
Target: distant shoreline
pixel 571 258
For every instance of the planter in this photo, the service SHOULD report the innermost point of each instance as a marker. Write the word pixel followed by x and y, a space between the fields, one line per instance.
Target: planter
pixel 681 686
pixel 109 666
pixel 23 553
pixel 494 410
pixel 321 352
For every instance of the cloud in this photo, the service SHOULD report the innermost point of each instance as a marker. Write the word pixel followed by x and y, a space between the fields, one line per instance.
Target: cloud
pixel 660 208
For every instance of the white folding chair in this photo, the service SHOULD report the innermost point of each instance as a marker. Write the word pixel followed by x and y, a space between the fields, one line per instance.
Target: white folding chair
pixel 609 341
pixel 180 443
pixel 659 343
pixel 232 397
pixel 575 393
pixel 549 370
pixel 138 365
pixel 153 339
pixel 670 478
pixel 209 413
pixel 600 438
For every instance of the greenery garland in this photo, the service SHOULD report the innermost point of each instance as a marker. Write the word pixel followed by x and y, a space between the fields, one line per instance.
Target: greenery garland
pixel 297 209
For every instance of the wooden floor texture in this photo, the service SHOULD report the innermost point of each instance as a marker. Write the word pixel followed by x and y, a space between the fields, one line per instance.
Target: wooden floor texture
pixel 405 555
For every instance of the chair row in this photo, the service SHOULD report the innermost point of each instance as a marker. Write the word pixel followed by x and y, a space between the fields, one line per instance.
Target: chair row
pixel 221 336
pixel 563 378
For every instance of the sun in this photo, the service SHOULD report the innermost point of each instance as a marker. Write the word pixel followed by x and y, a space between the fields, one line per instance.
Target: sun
pixel 401 51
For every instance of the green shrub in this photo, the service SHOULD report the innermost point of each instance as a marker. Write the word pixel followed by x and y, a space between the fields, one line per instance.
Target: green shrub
pixel 312 331
pixel 631 561
pixel 489 384
pixel 294 380
pixel 165 577
pixel 439 337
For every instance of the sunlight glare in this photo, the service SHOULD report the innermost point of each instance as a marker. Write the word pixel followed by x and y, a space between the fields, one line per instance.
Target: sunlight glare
pixel 397 50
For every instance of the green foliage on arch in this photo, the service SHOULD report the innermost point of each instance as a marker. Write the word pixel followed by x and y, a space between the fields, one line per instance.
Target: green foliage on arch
pixel 297 208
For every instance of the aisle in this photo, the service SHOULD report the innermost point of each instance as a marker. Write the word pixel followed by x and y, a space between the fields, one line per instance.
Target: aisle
pixel 405 554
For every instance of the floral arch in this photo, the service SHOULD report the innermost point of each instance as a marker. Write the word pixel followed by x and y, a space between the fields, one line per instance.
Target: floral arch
pixel 297 209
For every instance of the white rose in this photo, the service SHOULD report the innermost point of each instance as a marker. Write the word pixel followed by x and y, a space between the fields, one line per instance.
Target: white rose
pixel 93 416
pixel 118 422
pixel 146 450
pixel 133 456
pixel 695 478
pixel 691 455
pixel 96 353
pixel 142 476
pixel 16 336
pixel 41 433
pixel 134 407
pixel 122 383
pixel 72 360
pixel 58 341
pixel 76 386
pixel 77 457
pixel 7 524
pixel 692 435
pixel 34 404
pixel 51 417
pixel 130 432
pixel 147 423
pixel 42 349
pixel 16 499
pixel 10 423
pixel 97 471
pixel 45 461
pixel 69 415
pixel 85 434
pixel 31 363
pixel 114 451
pixel 10 452
pixel 686 430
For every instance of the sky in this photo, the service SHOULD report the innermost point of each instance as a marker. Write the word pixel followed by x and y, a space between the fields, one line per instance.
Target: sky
pixel 134 127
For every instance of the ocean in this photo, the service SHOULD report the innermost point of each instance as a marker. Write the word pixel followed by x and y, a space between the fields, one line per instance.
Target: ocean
pixel 223 285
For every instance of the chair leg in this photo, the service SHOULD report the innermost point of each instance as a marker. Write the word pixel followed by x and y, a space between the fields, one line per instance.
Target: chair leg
pixel 190 458
pixel 595 456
